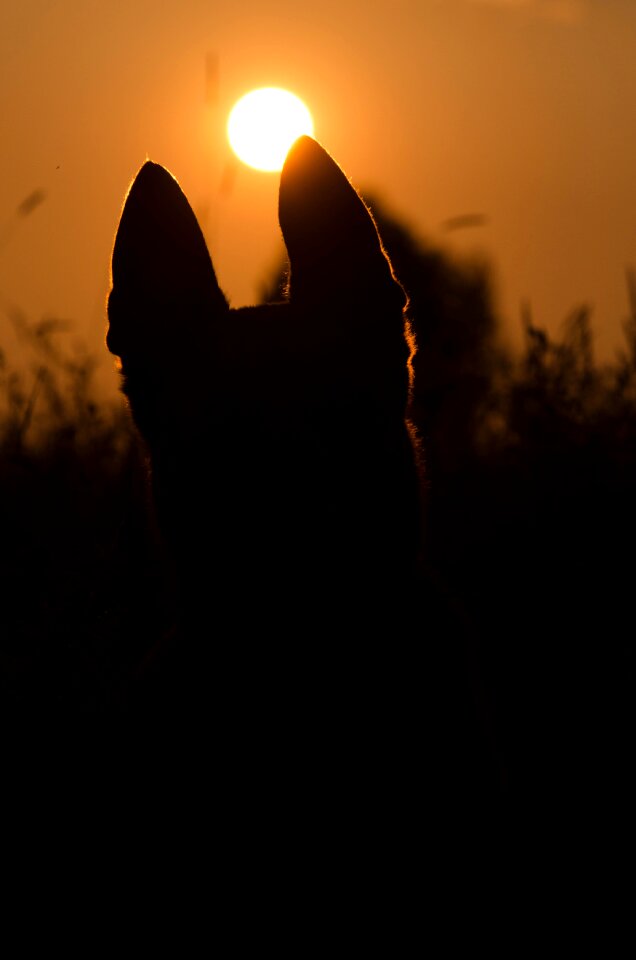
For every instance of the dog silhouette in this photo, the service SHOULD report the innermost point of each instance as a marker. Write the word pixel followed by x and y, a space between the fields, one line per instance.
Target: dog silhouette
pixel 285 472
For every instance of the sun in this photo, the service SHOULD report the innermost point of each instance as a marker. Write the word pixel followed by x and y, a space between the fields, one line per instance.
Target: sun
pixel 263 125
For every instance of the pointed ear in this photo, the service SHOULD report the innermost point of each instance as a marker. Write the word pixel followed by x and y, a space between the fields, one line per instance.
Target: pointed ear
pixel 332 240
pixel 162 275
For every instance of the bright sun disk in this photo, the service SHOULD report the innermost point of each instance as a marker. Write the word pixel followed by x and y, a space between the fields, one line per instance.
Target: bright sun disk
pixel 263 125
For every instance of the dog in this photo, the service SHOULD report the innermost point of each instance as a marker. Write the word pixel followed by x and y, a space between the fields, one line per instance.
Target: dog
pixel 286 476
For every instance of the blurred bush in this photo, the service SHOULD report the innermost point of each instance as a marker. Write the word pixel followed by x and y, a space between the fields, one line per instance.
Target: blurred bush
pixel 81 593
pixel 530 475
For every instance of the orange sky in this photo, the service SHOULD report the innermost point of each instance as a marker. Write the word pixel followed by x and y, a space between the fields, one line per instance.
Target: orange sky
pixel 519 109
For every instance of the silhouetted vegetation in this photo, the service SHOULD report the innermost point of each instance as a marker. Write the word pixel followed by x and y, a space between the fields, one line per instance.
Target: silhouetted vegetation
pixel 79 567
pixel 530 480
pixel 530 474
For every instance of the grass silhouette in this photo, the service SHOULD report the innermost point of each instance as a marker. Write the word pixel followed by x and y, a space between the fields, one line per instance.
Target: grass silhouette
pixel 77 563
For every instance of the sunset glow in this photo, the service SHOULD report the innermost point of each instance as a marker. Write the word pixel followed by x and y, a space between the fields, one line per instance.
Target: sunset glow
pixel 263 125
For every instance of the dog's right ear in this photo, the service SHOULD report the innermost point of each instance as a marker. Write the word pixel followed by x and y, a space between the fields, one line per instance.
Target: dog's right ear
pixel 334 248
pixel 162 277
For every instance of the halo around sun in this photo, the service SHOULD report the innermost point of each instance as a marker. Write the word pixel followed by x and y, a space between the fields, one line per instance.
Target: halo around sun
pixel 264 123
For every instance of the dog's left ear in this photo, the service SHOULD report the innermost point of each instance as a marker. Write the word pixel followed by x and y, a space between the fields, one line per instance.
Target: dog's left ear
pixel 332 240
pixel 163 278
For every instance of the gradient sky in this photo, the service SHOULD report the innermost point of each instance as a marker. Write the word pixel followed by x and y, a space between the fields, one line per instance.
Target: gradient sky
pixel 522 110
